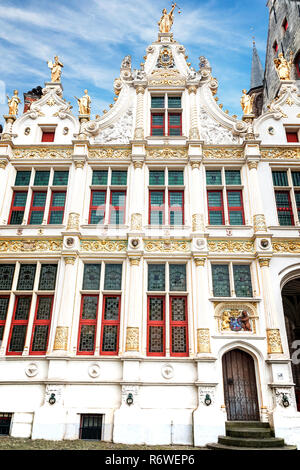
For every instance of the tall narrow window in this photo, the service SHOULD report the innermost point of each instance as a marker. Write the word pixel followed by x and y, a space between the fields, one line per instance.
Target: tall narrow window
pixel 37 208
pixel 88 324
pixel 110 324
pixel 41 326
pixel 19 325
pixel 57 207
pixel 220 276
pixel 166 203
pixel 18 208
pixel 117 207
pixel 166 115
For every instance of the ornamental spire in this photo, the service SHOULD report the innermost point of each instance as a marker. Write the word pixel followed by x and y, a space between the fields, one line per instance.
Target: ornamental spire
pixel 257 72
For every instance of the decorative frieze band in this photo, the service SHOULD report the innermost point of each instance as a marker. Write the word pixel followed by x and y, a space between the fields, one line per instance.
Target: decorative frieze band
pixel 103 245
pixel 15 246
pixel 167 246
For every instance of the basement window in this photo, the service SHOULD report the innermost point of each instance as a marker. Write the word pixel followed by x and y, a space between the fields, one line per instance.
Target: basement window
pixel 91 427
pixel 5 421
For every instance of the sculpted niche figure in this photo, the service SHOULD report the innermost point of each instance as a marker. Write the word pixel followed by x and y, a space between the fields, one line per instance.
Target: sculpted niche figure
pixel 247 102
pixel 166 21
pixel 13 103
pixel 55 67
pixel 84 103
pixel 283 67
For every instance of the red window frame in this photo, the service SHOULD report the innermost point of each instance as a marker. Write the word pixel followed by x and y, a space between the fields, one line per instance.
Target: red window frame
pixel 17 322
pixel 57 208
pixel 158 127
pixel 36 208
pixel 93 208
pixel 2 322
pixel 173 126
pixel 159 323
pixel 110 323
pixel 182 324
pixel 14 208
pixel 41 322
pixel 292 136
pixel 216 208
pixel 85 322
pixel 117 208
pixel 288 209
pixel 235 208
pixel 48 136
pixel 153 209
pixel 175 208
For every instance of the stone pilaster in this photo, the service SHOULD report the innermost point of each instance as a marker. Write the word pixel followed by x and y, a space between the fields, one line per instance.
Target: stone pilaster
pixel 200 306
pixel 133 328
pixel 194 130
pixel 139 123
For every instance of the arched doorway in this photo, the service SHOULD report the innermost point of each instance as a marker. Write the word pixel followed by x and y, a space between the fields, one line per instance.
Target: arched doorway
pixel 240 388
pixel 291 304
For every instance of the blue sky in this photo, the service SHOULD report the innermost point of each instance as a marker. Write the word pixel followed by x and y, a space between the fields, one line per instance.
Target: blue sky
pixel 91 37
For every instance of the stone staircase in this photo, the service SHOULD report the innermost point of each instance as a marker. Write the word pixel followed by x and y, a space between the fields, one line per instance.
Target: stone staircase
pixel 249 435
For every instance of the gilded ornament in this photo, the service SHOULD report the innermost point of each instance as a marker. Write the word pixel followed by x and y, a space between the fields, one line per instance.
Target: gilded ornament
pixel 236 317
pixel 55 67
pixel 110 153
pixel 274 341
pixel 231 246
pixel 259 223
pixel 167 154
pixel 70 260
pixel 84 104
pixel 136 221
pixel 199 261
pixel 283 66
pixel 132 339
pixel 134 261
pixel 3 164
pixel 103 245
pixel 198 223
pixel 13 103
pixel 247 103
pixel 203 340
pixel 61 338
pixel 15 246
pixel 166 21
pixel 73 221
pixel 43 153
pixel 222 154
pixel 288 246
pixel 280 154
pixel 167 246
pixel 264 262
pixel 252 164
pixel 166 77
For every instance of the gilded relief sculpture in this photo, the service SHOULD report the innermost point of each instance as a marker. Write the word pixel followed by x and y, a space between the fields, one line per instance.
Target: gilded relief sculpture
pixel 84 104
pixel 13 103
pixel 55 67
pixel 166 21
pixel 247 102
pixel 283 66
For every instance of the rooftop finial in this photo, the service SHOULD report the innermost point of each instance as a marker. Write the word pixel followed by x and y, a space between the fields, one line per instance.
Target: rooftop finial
pixel 166 21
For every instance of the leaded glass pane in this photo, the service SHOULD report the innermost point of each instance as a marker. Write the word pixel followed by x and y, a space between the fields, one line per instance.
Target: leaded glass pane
pixel 220 277
pixel 20 199
pixel 18 336
pixel 175 178
pixel 23 307
pixel 174 101
pixel 56 217
pixel 44 308
pixel 97 216
pixel 157 120
pixel 215 217
pixel 4 301
pixel 111 309
pixel 284 208
pixel 22 178
pixel 48 277
pixel 156 338
pixel 1 333
pixel 214 199
pixel 98 198
pixel 113 277
pixel 296 178
pixel 176 206
pixel 234 198
pixel 119 178
pixel 89 307
pixel 87 338
pixel 179 339
pixel 6 276
pixel 242 280
pixel 156 309
pixel 178 308
pixel 117 210
pixel 157 207
pixel 41 178
pixel 60 178
pixel 40 338
pixel 177 274
pixel 91 277
pixel 156 277
pixel 16 217
pixel 109 338
pixel 26 277
pixel 36 217
pixel 280 178
pixel 213 177
pixel 157 101
pixel 58 199
pixel 100 177
pixel 236 218
pixel 156 178
pixel 232 177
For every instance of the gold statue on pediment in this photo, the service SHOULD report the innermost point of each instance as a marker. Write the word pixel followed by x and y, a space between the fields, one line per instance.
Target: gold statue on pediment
pixel 166 21
pixel 55 67
pixel 84 104
pixel 247 102
pixel 283 66
pixel 13 103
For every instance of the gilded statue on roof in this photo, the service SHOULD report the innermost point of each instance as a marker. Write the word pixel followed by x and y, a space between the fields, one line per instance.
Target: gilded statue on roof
pixel 166 21
pixel 283 66
pixel 55 67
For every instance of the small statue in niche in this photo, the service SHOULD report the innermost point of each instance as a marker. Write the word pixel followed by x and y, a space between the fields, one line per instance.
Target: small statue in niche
pixel 245 319
pixel 226 320
pixel 13 103
pixel 247 102
pixel 55 67
pixel 84 104
pixel 166 21
pixel 283 67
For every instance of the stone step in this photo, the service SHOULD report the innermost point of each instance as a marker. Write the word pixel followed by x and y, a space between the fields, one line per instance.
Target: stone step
pixel 246 424
pixel 226 447
pixel 257 433
pixel 251 442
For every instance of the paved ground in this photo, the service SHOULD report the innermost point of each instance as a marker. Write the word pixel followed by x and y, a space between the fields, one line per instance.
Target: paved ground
pixel 10 443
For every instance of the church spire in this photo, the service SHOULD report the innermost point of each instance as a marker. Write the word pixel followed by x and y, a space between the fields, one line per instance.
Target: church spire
pixel 257 72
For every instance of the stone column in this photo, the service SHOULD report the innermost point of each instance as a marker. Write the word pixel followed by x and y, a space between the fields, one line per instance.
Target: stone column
pixel 259 221
pixel 273 332
pixel 139 122
pixel 132 346
pixel 194 130
pixel 65 315
pixel 76 196
pixel 202 320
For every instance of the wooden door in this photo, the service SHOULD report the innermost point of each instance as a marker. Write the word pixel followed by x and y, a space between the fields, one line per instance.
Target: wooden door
pixel 240 386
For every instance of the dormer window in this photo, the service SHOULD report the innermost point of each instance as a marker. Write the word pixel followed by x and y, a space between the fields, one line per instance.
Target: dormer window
pixel 47 133
pixel 166 115
pixel 292 135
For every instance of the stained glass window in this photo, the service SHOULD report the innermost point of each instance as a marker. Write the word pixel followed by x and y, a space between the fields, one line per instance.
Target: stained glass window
pixel 232 177
pixel 175 178
pixel 177 274
pixel 19 325
pixel 111 309
pixel 119 178
pixel 157 101
pixel 60 178
pixel 156 277
pixel 220 277
pixel 37 207
pixel 87 327
pixel 235 207
pixel 156 308
pixel 242 280
pixel 26 277
pixel 174 101
pixel 113 277
pixel 215 207
pixel 4 301
pixel 156 325
pixel 100 177
pixel 57 207
pixel 213 177
pixel 89 307
pixel 176 207
pixel 22 308
pixel 22 178
pixel 157 207
pixel 6 276
pixel 110 325
pixel 40 338
pixel 284 208
pixel 48 277
pixel 41 178
pixel 17 340
pixel 18 208
pixel 87 338
pixel 109 338
pixel 157 124
pixel 174 123
pixel 44 308
pixel 41 325
pixel 91 277
pixel 156 178
pixel 117 213
pixel 97 209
